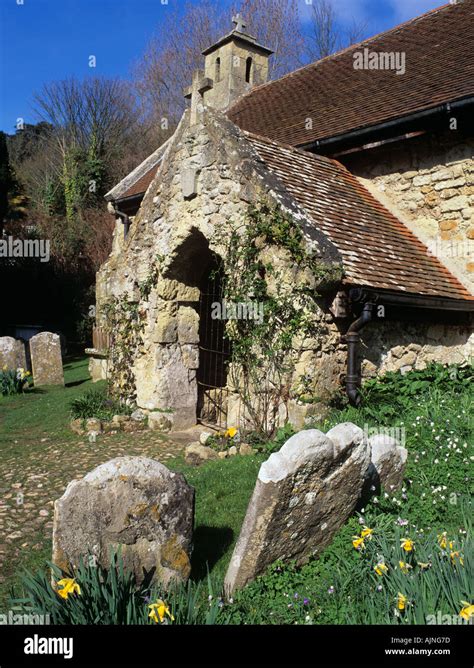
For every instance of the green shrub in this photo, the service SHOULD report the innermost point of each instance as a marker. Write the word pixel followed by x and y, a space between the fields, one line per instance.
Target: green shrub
pixel 281 436
pixel 95 595
pixel 96 403
pixel 13 381
pixel 387 396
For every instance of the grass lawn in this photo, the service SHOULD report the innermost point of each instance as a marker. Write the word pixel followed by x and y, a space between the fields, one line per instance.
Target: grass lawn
pixel 35 440
pixel 432 410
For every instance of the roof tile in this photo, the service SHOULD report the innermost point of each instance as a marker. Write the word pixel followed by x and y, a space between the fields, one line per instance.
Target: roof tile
pixel 338 98
pixel 377 249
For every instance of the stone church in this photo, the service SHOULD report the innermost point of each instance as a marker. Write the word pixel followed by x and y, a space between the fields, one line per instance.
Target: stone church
pixel 369 173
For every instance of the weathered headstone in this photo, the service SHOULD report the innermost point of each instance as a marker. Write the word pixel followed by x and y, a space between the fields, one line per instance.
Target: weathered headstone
pixel 388 459
pixel 132 504
pixel 303 495
pixel 12 353
pixel 46 360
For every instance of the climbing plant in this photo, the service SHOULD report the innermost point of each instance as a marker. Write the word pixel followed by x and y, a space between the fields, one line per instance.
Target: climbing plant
pixel 124 321
pixel 268 262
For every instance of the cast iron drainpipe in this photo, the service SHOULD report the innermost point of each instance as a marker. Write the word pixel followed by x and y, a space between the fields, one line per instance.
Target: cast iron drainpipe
pixel 113 209
pixel 352 338
pixel 125 220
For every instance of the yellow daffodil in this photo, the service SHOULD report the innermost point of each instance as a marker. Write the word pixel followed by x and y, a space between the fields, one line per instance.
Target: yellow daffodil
pixel 423 565
pixel 442 540
pixel 231 432
pixel 467 611
pixel 68 586
pixel 381 568
pixel 366 532
pixel 159 611
pixel 404 567
pixel 407 544
pixel 456 555
pixel 401 601
pixel 358 542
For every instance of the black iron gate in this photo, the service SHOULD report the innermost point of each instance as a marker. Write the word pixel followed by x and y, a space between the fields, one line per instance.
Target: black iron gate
pixel 214 351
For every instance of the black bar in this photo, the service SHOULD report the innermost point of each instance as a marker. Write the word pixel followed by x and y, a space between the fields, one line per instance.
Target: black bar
pixel 244 645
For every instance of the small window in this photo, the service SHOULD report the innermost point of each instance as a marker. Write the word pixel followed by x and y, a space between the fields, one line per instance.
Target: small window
pixel 218 69
pixel 248 70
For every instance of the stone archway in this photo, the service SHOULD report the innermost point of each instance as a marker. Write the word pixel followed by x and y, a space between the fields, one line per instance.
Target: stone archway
pixel 196 273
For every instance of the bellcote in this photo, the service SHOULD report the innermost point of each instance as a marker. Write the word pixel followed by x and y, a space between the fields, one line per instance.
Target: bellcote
pixel 232 66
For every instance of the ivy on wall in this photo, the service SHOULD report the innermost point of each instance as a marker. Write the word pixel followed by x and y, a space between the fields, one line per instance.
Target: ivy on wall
pixel 269 249
pixel 267 262
pixel 124 321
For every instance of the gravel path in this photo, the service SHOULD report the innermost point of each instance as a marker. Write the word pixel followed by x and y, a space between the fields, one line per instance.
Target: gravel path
pixel 30 484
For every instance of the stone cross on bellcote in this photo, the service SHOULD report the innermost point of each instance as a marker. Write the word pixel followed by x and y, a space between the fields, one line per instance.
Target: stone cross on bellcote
pixel 240 25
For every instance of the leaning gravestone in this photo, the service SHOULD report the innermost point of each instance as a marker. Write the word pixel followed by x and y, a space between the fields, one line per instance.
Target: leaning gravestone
pixel 388 459
pixel 134 505
pixel 12 353
pixel 46 360
pixel 303 495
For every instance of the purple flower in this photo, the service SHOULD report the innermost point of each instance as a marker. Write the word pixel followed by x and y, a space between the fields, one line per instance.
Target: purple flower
pixel 331 590
pixel 305 601
pixel 296 595
pixel 401 522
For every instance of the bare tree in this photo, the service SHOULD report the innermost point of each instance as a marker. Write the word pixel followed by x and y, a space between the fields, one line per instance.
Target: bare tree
pixel 276 24
pixel 172 55
pixel 325 35
pixel 96 122
pixel 323 39
pixel 356 32
pixel 100 111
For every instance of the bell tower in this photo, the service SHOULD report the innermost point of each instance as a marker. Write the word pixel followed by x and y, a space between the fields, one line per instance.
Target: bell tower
pixel 233 65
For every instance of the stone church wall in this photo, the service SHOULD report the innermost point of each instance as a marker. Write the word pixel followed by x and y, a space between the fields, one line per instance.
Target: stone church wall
pixel 208 177
pixel 428 182
pixel 401 346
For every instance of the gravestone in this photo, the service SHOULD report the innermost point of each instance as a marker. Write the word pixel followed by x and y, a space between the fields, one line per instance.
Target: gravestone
pixel 388 459
pixel 46 360
pixel 134 505
pixel 12 353
pixel 303 495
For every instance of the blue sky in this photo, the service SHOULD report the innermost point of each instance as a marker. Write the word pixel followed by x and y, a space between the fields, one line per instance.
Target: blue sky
pixel 47 40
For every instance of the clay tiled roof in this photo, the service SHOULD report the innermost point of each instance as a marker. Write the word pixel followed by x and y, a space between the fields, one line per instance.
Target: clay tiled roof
pixel 338 98
pixel 137 182
pixel 378 251
pixel 140 187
